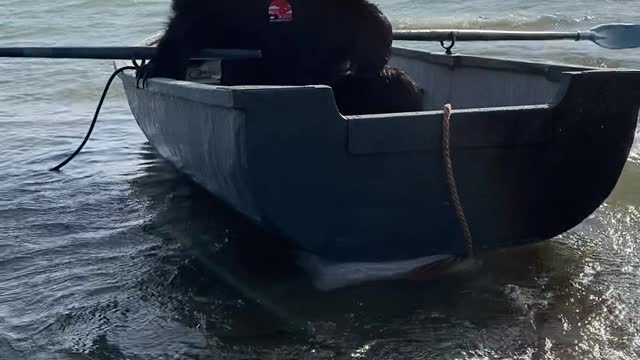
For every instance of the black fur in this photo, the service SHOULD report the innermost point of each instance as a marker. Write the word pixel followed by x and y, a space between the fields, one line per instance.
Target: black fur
pixel 389 92
pixel 325 40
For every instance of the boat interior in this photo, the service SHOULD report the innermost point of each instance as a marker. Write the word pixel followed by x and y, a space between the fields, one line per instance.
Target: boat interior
pixel 464 81
pixel 477 82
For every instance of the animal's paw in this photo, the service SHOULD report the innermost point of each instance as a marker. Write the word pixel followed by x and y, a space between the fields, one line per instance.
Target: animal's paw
pixel 145 72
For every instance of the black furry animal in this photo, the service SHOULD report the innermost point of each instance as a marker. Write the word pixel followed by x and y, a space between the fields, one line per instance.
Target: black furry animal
pixel 325 39
pixel 388 92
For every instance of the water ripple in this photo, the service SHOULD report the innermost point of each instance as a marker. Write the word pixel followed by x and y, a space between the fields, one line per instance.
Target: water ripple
pixel 119 256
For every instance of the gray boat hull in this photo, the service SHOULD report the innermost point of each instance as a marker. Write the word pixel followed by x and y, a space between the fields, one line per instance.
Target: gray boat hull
pixel 536 149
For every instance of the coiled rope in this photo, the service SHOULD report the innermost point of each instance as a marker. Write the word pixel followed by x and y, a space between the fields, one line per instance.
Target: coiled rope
pixel 451 181
pixel 95 117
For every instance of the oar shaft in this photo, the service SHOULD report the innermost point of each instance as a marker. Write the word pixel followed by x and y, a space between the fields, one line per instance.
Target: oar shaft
pixel 487 35
pixel 117 53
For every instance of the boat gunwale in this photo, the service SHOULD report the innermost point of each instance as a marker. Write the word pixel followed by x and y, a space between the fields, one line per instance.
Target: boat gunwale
pixel 227 97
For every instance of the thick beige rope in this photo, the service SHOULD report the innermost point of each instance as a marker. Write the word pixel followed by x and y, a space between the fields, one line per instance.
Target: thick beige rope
pixel 451 180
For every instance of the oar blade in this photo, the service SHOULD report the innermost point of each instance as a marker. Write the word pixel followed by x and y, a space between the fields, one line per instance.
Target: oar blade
pixel 617 36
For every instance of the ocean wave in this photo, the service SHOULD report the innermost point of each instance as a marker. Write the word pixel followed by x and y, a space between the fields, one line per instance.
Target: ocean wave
pixel 510 22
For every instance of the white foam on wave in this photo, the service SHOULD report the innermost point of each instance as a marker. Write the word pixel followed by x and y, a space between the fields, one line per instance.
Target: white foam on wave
pixel 508 22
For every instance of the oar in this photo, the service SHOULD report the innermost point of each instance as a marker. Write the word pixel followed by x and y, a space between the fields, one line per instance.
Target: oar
pixel 610 36
pixel 118 53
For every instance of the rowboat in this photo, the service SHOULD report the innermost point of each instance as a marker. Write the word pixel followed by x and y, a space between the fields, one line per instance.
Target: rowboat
pixel 536 149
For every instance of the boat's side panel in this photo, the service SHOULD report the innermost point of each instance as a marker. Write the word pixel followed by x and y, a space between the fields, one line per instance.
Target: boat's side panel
pixel 481 83
pixel 476 128
pixel 388 205
pixel 473 88
pixel 197 129
pixel 297 155
pixel 373 201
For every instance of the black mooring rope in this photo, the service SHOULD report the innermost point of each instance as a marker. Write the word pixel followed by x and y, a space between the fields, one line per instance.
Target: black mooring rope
pixel 95 117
